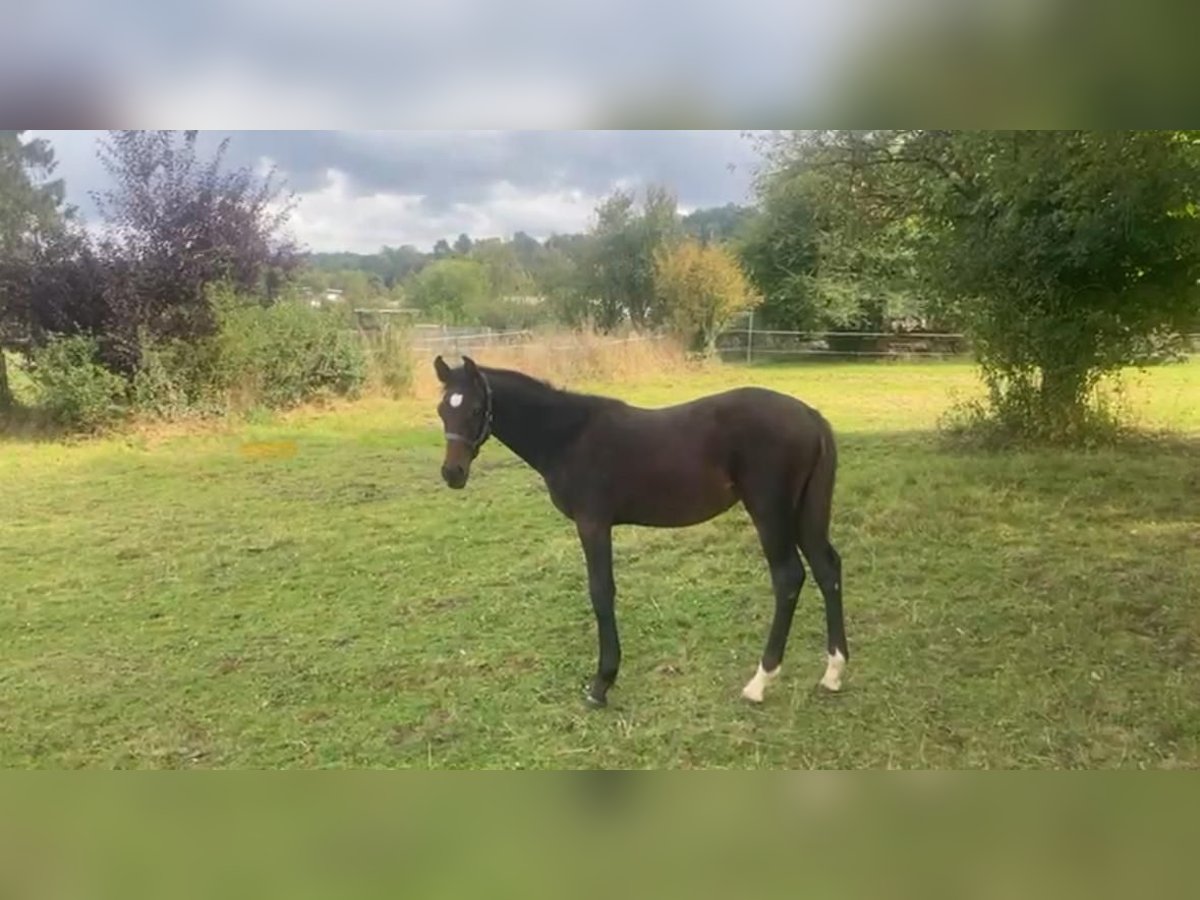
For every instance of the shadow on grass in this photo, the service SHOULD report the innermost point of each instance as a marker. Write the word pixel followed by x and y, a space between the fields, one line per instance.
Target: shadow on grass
pixel 1145 471
pixel 20 425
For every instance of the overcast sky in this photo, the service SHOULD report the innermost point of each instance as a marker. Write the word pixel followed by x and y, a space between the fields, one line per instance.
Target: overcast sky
pixel 361 190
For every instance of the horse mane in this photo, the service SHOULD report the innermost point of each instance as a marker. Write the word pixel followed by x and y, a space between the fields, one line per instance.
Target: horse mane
pixel 530 387
pixel 536 415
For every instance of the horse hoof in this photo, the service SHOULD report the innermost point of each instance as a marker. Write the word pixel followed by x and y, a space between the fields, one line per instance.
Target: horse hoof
pixel 593 701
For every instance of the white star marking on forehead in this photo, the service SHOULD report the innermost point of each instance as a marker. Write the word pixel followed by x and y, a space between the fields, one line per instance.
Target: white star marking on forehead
pixel 456 400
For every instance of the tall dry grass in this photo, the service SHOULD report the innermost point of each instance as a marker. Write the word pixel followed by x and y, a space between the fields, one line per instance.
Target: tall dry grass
pixel 571 359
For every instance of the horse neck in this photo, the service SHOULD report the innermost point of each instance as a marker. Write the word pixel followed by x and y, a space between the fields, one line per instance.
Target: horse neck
pixel 535 421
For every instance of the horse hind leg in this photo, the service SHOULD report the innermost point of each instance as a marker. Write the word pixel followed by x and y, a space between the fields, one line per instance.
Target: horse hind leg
pixel 812 526
pixel 777 536
pixel 826 567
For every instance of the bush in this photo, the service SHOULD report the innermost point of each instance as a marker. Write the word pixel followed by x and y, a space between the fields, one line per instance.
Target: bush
pixel 279 356
pixel 177 379
pixel 261 356
pixel 389 360
pixel 1013 418
pixel 72 388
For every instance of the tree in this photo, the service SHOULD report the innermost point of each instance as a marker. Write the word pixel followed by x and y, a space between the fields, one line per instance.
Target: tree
pixel 177 224
pixel 819 260
pixel 611 267
pixel 447 290
pixel 390 265
pixel 1059 252
pixel 32 210
pixel 779 253
pixel 559 276
pixel 505 275
pixel 528 250
pixel 657 229
pixel 398 262
pixel 358 288
pixel 618 271
pixel 462 246
pixel 31 202
pixel 701 288
pixel 718 223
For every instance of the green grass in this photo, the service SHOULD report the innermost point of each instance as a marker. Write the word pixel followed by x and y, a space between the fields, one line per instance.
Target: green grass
pixel 175 601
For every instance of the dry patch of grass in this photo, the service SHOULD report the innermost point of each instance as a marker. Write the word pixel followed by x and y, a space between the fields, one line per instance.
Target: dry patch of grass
pixel 573 358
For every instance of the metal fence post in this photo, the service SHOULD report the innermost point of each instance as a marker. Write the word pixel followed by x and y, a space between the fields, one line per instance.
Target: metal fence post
pixel 749 338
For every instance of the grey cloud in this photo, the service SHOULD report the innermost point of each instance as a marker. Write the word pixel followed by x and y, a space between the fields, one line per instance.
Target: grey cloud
pixel 450 169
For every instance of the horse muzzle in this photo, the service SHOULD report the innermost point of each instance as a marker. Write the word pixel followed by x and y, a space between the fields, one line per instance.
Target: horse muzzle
pixel 455 476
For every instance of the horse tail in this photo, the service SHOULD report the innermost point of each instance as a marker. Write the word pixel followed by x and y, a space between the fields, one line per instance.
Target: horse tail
pixel 814 505
pixel 813 513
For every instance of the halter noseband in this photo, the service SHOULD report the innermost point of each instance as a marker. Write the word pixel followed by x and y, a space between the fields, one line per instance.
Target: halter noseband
pixel 485 429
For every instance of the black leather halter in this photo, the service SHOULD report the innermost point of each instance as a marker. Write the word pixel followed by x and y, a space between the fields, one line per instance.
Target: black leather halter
pixel 485 429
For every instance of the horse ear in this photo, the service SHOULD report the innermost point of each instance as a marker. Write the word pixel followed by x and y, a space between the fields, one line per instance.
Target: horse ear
pixel 443 370
pixel 469 365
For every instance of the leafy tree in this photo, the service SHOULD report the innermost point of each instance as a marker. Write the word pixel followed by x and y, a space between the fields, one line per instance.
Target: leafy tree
pixel 617 274
pixel 449 289
pixel 779 252
pixel 31 202
pixel 61 285
pixel 657 229
pixel 819 259
pixel 718 223
pixel 528 251
pixel 559 277
pixel 1059 252
pixel 701 288
pixel 32 210
pixel 612 272
pixel 505 275
pixel 390 265
pixel 604 277
pixel 399 262
pixel 177 224
pixel 358 288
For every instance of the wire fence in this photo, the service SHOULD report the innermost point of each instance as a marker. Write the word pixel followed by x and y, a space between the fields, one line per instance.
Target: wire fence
pixel 455 341
pixel 746 344
pixel 749 344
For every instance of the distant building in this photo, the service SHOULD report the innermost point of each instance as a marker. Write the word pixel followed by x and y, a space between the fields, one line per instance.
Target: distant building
pixel 320 298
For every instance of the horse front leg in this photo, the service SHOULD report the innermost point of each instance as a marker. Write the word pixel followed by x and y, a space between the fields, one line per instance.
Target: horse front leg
pixel 597 549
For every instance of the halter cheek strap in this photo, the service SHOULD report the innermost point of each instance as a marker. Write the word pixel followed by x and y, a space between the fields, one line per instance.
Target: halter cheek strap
pixel 485 429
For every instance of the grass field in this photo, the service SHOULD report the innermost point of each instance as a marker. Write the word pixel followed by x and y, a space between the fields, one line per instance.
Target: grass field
pixel 305 592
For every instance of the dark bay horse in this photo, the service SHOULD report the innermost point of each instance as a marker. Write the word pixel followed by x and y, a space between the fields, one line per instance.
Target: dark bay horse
pixel 608 463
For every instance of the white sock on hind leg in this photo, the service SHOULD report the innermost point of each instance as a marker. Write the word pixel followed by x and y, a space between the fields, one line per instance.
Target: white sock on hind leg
pixel 753 691
pixel 832 679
